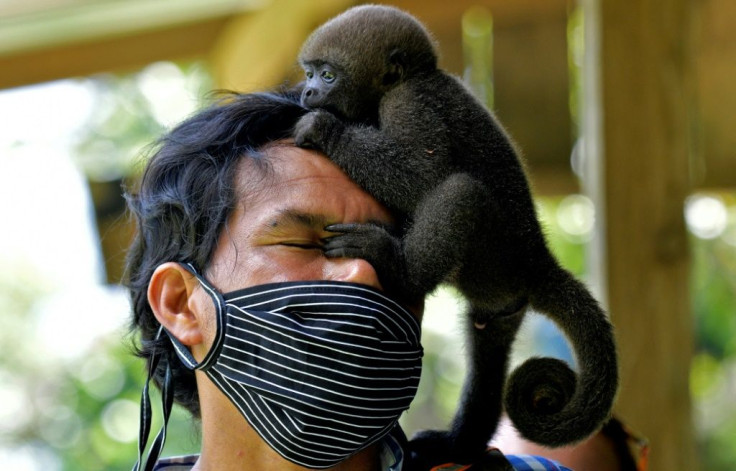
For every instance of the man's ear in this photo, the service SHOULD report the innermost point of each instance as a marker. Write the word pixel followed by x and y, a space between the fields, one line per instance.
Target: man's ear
pixel 170 296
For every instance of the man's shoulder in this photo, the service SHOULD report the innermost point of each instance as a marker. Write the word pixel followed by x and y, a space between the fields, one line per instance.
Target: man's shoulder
pixel 534 463
pixel 517 462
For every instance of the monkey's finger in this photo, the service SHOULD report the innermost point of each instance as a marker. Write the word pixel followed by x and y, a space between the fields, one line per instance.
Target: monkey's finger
pixel 346 227
pixel 344 241
pixel 344 252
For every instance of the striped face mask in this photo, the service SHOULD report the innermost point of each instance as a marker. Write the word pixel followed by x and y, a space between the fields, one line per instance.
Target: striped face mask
pixel 320 369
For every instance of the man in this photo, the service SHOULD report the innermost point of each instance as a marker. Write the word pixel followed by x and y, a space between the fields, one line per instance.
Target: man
pixel 291 358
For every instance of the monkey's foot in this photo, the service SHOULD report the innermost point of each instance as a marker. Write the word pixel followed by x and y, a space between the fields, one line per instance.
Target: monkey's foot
pixel 430 448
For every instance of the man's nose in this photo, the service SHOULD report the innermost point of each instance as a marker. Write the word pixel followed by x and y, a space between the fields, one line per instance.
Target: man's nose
pixel 353 270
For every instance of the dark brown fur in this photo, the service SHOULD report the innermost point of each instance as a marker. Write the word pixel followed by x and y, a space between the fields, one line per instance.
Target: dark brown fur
pixel 416 139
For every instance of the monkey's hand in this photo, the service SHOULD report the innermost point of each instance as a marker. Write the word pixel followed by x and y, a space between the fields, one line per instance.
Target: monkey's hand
pixel 381 249
pixel 319 130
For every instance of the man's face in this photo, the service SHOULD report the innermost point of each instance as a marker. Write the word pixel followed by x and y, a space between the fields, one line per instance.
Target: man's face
pixel 274 234
pixel 276 231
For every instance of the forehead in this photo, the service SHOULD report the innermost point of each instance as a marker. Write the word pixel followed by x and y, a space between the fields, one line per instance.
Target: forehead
pixel 306 180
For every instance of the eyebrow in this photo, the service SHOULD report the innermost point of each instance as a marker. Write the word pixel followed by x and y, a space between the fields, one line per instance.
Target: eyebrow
pixel 291 217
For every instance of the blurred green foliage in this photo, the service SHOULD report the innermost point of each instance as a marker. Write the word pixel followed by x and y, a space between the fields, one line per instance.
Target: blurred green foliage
pixel 81 412
pixel 713 377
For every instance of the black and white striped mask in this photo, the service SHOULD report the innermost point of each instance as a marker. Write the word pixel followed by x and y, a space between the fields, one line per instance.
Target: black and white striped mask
pixel 320 369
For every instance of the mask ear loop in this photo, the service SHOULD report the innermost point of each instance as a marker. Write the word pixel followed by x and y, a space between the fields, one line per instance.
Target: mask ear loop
pixel 167 400
pixel 167 389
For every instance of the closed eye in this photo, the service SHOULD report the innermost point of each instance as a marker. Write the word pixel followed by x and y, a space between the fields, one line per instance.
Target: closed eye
pixel 303 245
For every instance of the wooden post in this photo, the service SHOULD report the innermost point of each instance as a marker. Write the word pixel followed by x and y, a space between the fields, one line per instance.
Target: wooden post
pixel 637 77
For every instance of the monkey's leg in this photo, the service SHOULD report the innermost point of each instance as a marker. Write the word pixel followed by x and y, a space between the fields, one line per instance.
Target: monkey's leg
pixel 444 230
pixel 480 408
pixel 435 244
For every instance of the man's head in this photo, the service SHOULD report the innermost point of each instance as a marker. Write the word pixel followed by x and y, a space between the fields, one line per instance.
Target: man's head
pixel 229 193
pixel 185 197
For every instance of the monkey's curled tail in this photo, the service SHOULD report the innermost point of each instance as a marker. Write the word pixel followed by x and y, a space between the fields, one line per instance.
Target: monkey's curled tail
pixel 547 402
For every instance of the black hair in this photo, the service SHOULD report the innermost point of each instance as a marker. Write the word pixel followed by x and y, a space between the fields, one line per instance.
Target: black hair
pixel 184 199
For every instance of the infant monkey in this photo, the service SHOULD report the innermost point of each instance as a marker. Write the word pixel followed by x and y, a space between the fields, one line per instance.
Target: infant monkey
pixel 417 140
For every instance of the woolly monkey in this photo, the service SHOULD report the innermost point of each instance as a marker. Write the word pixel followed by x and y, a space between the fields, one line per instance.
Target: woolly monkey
pixel 415 138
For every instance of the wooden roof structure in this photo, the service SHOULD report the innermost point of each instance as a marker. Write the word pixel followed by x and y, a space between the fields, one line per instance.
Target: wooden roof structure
pixel 659 93
pixel 252 44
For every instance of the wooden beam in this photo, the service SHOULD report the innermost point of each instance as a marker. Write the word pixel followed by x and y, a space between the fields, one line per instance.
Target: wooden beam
pixel 714 162
pixel 116 54
pixel 638 92
pixel 259 51
pixel 532 86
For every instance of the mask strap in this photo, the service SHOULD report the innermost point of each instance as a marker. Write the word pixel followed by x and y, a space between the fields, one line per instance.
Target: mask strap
pixel 167 400
pixel 167 389
pixel 219 302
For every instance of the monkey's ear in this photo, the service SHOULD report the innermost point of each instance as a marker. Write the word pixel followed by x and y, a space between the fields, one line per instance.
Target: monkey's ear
pixel 396 66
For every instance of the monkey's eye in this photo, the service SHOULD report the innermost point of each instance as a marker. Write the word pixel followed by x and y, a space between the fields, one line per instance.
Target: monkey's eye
pixel 309 74
pixel 328 76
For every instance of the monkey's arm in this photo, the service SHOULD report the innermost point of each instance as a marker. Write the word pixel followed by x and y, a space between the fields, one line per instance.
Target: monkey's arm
pixel 396 161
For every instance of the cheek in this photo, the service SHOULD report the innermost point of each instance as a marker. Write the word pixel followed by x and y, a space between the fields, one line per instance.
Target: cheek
pixel 275 264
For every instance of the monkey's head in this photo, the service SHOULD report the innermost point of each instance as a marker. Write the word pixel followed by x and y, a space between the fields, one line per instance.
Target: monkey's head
pixel 351 61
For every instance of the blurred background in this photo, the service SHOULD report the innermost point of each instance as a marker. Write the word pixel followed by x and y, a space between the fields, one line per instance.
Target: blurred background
pixel 624 115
